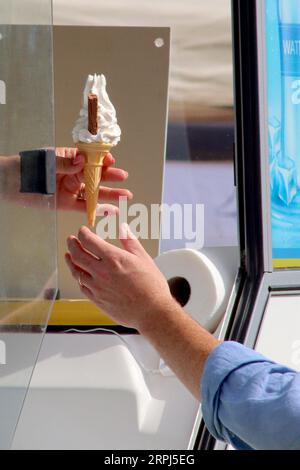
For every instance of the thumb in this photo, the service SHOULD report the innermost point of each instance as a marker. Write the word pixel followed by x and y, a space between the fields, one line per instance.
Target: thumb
pixel 130 242
pixel 70 166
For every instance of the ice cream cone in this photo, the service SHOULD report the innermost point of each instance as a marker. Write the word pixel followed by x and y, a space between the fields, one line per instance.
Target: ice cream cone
pixel 95 153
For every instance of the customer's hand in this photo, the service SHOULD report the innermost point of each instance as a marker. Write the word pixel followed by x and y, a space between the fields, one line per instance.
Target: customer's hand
pixel 126 284
pixel 70 182
pixel 129 287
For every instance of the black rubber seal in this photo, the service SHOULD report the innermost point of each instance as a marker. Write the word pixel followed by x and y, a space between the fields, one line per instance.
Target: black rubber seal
pixel 38 171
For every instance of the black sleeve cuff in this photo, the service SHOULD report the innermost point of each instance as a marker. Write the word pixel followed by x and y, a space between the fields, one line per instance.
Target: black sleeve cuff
pixel 38 171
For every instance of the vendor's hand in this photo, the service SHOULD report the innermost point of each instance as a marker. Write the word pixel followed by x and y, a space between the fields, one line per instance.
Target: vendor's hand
pixel 70 182
pixel 126 284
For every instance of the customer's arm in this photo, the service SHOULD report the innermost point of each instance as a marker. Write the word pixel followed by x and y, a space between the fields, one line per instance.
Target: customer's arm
pixel 246 399
pixel 251 401
pixel 183 343
pixel 131 289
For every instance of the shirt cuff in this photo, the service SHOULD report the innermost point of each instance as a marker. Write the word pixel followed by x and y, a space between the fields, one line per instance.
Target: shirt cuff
pixel 223 360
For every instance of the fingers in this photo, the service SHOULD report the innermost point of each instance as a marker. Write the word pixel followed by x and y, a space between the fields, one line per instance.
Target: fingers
pixel 69 161
pixel 104 250
pixel 109 160
pixel 60 151
pixel 87 292
pixel 80 257
pixel 83 278
pixel 108 174
pixel 130 242
pixel 106 209
pixel 101 209
pixel 76 272
pixel 113 174
pixel 95 245
pixel 114 193
pixel 70 183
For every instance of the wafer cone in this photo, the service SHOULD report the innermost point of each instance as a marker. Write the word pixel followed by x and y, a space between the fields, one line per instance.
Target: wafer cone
pixel 95 153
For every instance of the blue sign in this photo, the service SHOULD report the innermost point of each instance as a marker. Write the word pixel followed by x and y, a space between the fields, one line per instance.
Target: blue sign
pixel 283 69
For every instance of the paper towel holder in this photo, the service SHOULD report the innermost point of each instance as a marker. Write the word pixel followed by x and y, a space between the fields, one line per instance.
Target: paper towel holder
pixel 180 289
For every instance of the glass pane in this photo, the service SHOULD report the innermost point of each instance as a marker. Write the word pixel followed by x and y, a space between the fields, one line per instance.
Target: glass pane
pixel 199 155
pixel 28 227
pixel 199 165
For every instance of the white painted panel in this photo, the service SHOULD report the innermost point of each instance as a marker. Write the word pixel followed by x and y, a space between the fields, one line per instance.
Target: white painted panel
pixel 279 336
pixel 88 392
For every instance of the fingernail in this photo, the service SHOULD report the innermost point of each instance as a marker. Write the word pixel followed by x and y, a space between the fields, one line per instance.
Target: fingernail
pixel 78 159
pixel 70 241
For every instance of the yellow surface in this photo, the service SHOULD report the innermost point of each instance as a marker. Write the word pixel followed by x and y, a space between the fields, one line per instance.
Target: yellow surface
pixel 78 312
pixel 286 263
pixel 24 311
pixel 65 312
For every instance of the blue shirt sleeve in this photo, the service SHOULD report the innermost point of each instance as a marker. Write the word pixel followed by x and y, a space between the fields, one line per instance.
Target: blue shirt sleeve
pixel 250 401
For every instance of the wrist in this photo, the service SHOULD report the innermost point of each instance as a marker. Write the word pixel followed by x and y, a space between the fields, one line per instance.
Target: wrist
pixel 166 314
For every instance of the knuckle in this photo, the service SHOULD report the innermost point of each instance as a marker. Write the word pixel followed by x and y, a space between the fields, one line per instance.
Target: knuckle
pixel 74 248
pixel 116 262
pixel 89 280
pixel 83 233
pixel 74 273
pixel 70 240
pixel 122 259
pixel 98 293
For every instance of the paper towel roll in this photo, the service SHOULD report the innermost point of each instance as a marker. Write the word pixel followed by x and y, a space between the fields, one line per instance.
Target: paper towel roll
pixel 196 283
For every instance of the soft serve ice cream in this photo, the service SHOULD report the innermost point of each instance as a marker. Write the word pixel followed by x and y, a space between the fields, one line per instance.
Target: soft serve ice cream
pixel 109 131
pixel 95 133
